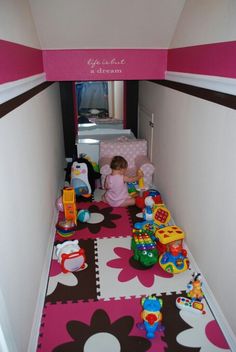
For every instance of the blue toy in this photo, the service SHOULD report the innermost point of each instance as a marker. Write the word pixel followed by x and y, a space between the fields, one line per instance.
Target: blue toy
pixel 83 215
pixel 151 315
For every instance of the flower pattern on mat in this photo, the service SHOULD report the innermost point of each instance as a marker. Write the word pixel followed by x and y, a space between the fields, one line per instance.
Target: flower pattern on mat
pixel 204 333
pixel 99 218
pixel 146 276
pixel 56 277
pixel 104 334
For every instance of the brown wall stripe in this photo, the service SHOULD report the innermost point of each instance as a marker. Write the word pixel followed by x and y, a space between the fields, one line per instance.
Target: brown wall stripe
pixel 227 100
pixel 224 99
pixel 13 103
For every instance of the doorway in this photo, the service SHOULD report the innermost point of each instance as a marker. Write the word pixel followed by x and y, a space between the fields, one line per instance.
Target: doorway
pixel 70 112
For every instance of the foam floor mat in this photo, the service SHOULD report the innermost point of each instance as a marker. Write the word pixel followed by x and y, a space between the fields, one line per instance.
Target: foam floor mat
pixel 97 309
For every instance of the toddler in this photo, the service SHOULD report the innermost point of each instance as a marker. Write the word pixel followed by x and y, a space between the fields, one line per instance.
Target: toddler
pixel 116 193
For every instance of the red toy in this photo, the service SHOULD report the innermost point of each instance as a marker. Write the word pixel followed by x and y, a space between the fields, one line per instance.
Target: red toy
pixel 139 200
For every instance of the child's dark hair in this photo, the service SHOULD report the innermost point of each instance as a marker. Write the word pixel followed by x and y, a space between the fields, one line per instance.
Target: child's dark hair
pixel 118 163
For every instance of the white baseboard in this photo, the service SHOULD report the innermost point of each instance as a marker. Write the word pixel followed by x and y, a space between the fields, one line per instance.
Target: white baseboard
pixel 214 306
pixel 210 298
pixel 12 89
pixel 7 338
pixel 33 342
pixel 219 84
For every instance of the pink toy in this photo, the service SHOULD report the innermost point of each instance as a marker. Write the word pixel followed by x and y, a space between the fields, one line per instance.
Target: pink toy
pixel 133 150
pixel 59 204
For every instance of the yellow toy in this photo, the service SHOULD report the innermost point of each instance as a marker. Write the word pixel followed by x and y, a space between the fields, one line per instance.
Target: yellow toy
pixel 173 257
pixel 69 203
pixel 161 215
pixel 141 180
pixel 194 288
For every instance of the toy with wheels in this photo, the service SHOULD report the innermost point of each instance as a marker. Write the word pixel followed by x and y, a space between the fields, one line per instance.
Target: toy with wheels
pixel 174 264
pixel 144 249
pixel 173 257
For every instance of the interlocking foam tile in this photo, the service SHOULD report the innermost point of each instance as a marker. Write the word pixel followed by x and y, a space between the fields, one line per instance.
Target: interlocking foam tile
pixel 74 286
pixel 120 275
pixel 104 221
pixel 203 332
pixel 133 211
pixel 96 326
pixel 112 325
pixel 98 193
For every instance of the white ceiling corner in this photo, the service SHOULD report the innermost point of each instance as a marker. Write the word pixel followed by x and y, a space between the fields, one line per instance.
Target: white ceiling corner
pixel 91 24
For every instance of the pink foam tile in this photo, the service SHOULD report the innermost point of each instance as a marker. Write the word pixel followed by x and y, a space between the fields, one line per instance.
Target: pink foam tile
pixel 105 221
pixel 55 330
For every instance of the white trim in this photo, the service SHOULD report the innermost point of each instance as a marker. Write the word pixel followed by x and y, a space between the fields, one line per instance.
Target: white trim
pixel 214 306
pixel 211 300
pixel 33 341
pixel 220 84
pixel 12 89
pixel 7 339
pixel 3 342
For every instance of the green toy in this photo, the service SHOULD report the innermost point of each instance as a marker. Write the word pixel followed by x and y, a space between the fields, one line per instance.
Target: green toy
pixel 144 249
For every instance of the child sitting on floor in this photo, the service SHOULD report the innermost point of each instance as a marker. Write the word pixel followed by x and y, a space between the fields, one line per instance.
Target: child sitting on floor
pixel 116 193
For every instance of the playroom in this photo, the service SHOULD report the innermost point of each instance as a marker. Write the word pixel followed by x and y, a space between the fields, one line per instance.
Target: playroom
pixel 151 269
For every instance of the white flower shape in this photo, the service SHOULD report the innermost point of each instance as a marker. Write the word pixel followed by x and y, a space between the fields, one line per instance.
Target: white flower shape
pixel 67 279
pixel 56 276
pixel 204 333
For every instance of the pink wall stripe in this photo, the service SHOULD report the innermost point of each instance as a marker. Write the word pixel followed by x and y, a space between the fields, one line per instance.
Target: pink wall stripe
pixel 217 59
pixel 99 64
pixel 18 61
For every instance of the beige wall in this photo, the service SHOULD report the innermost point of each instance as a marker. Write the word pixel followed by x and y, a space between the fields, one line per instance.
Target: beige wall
pixel 205 21
pixel 83 24
pixel 195 172
pixel 31 173
pixel 32 161
pixel 16 23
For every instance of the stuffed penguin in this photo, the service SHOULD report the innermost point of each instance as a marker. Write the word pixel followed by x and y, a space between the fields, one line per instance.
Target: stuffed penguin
pixel 81 176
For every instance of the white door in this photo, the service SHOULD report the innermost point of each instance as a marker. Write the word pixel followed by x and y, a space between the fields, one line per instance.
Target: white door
pixel 145 127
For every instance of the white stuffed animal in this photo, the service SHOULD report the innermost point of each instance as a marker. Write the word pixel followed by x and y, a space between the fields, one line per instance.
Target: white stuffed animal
pixel 147 211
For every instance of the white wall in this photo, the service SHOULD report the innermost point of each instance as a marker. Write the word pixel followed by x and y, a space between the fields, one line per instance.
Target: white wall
pixel 119 100
pixel 32 162
pixel 17 24
pixel 205 21
pixel 195 160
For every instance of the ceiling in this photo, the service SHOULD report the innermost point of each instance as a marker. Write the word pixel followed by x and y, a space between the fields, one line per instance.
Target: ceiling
pixel 95 24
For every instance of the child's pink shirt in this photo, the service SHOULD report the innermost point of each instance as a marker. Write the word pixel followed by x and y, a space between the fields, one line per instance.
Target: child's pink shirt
pixel 117 191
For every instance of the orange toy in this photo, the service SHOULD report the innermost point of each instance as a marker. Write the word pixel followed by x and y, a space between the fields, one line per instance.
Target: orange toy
pixel 69 204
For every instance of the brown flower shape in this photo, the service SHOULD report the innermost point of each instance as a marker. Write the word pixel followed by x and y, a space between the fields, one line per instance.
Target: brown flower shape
pixel 99 218
pixel 102 335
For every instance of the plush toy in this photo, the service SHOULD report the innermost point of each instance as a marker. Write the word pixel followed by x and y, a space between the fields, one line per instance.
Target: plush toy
pixel 81 176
